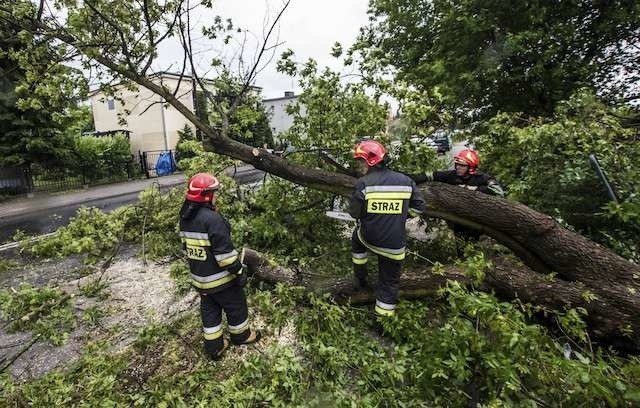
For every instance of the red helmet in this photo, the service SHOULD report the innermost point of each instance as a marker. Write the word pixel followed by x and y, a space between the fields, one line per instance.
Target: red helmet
pixel 201 187
pixel 371 151
pixel 469 158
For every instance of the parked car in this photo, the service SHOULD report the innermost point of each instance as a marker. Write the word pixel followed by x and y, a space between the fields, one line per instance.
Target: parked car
pixel 426 140
pixel 443 143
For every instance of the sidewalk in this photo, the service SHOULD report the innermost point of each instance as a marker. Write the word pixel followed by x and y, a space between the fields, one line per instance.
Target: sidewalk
pixel 22 206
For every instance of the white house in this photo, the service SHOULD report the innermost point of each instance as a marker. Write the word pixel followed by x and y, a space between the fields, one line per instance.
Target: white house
pixel 152 123
pixel 279 119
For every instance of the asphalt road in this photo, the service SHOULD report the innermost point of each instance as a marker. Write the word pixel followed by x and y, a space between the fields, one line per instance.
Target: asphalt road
pixel 41 219
pixel 35 219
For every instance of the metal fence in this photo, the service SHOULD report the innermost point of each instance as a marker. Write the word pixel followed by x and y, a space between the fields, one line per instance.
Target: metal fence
pixel 23 180
pixel 15 180
pixel 57 180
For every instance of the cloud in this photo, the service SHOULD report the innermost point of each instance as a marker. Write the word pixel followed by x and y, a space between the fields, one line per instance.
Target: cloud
pixel 309 28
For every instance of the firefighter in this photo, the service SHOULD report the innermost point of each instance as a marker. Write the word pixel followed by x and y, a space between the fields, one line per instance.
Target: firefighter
pixel 465 175
pixel 381 202
pixel 216 270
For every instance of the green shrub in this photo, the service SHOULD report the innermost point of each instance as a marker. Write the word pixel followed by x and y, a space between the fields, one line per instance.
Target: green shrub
pixel 545 164
pixel 45 311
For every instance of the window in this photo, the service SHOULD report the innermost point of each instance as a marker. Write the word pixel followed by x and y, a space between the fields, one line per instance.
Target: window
pixel 111 104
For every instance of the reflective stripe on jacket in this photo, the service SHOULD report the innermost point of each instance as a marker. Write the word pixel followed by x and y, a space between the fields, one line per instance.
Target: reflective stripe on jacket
pixel 382 200
pixel 207 243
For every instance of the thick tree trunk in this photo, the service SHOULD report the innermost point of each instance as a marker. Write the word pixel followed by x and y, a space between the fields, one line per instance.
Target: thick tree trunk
pixel 536 238
pixel 609 318
pixel 541 242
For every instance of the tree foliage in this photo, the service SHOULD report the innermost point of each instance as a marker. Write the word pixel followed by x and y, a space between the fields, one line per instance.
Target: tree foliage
pixel 487 57
pixel 545 163
pixel 37 95
pixel 466 346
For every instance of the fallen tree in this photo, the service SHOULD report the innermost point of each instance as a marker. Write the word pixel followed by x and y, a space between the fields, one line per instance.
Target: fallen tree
pixel 127 51
pixel 610 322
pixel 540 241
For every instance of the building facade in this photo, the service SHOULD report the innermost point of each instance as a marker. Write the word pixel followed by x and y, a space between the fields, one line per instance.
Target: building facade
pixel 153 125
pixel 276 108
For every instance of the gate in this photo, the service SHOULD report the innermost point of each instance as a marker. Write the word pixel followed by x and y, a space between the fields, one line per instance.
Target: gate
pixel 149 162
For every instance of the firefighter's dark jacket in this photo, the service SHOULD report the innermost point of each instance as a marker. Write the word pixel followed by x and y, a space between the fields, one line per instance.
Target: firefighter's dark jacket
pixel 479 181
pixel 206 237
pixel 381 201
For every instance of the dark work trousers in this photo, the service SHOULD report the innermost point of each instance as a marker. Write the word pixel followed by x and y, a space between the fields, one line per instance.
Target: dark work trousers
pixel 388 276
pixel 233 302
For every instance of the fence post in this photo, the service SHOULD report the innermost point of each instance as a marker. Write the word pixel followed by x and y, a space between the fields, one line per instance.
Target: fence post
pixel 29 180
pixel 84 178
pixel 146 165
pixel 141 161
pixel 129 163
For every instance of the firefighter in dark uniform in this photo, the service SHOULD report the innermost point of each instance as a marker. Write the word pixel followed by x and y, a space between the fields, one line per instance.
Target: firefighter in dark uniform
pixel 216 270
pixel 465 175
pixel 381 202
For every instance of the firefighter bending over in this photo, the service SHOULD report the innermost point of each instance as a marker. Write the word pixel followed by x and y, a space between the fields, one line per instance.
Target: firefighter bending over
pixel 465 175
pixel 381 202
pixel 216 271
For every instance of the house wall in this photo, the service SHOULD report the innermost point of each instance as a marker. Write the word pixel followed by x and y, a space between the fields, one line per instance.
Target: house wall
pixel 279 119
pixel 147 129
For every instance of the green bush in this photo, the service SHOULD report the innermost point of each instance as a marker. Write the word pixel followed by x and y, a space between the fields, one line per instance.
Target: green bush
pixel 45 311
pixel 464 345
pixel 101 157
pixel 545 164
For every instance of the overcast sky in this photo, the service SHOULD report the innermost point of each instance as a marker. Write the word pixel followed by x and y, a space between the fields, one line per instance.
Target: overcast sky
pixel 308 27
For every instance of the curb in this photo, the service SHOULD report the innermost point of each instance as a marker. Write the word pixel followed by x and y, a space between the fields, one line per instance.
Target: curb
pixel 81 203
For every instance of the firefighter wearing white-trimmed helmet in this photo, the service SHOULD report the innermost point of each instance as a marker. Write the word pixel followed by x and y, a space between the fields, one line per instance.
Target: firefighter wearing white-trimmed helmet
pixel 381 202
pixel 466 175
pixel 216 268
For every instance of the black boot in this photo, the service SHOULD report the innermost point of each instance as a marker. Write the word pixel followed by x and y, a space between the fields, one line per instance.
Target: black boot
pixel 360 275
pixel 249 337
pixel 216 355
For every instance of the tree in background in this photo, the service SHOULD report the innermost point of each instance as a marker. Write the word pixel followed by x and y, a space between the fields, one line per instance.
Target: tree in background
pixel 248 123
pixel 492 56
pixel 38 96
pixel 252 125
pixel 545 163
pixel 521 79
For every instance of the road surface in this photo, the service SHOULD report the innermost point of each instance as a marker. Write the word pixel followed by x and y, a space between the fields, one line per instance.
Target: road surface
pixel 46 213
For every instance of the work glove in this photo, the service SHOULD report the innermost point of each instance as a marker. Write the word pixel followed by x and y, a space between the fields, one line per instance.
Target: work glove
pixel 239 269
pixel 241 278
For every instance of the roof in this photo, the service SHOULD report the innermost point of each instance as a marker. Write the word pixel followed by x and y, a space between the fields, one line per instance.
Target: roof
pixel 174 75
pixel 281 98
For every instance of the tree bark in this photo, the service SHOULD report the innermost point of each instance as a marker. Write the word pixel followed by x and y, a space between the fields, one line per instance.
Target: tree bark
pixel 609 316
pixel 536 238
